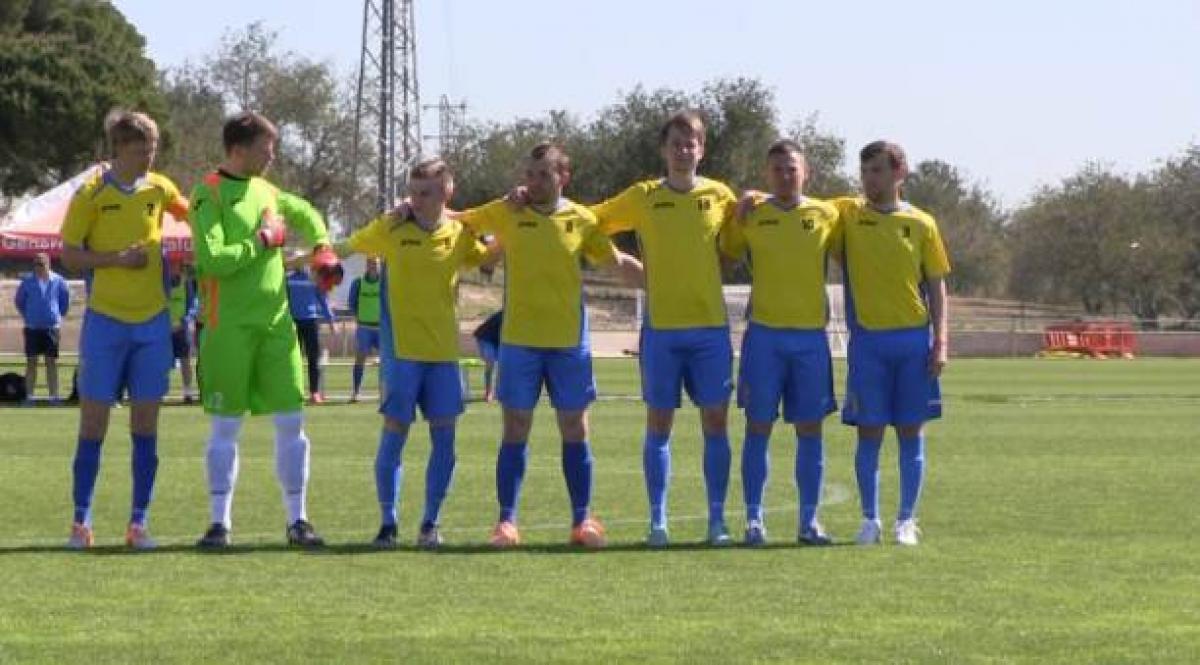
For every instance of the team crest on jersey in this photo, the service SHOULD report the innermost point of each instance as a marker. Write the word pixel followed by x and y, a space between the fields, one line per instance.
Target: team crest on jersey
pixel 906 231
pixel 445 243
pixel 809 225
pixel 570 227
pixel 704 204
pixel 149 208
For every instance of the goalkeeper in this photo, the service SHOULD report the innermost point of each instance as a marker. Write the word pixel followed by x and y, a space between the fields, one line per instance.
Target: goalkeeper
pixel 249 355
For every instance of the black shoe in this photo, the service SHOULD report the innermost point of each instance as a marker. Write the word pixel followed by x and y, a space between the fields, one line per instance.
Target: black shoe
pixel 301 533
pixel 217 537
pixel 386 538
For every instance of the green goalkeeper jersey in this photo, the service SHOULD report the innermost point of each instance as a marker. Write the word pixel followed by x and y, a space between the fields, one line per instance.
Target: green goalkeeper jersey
pixel 244 284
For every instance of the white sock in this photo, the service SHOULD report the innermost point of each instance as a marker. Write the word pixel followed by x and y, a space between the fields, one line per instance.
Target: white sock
pixel 291 463
pixel 221 462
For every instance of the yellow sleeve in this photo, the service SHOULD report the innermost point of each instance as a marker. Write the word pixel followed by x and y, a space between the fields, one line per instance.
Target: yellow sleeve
pixel 372 238
pixel 837 236
pixel 934 261
pixel 81 215
pixel 472 253
pixel 728 204
pixel 732 241
pixel 623 212
pixel 487 218
pixel 597 247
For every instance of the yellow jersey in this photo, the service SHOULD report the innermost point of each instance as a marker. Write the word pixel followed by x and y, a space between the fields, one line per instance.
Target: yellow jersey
pixel 789 250
pixel 105 216
pixel 677 232
pixel 543 282
pixel 887 259
pixel 422 270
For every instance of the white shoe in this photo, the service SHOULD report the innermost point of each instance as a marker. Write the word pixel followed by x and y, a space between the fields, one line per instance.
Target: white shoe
pixel 906 532
pixel 871 533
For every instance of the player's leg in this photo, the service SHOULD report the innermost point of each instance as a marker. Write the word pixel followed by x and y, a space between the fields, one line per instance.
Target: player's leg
pixel 366 338
pixel 226 361
pixel 518 388
pixel 917 399
pixel 708 378
pixel 807 399
pixel 52 364
pixel 662 380
pixel 310 344
pixel 403 379
pixel 868 407
pixel 104 348
pixel 441 403
pixel 147 380
pixel 572 388
pixel 760 387
pixel 31 362
pixel 488 353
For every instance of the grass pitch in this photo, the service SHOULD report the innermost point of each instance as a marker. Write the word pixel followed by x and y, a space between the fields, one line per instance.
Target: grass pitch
pixel 1059 523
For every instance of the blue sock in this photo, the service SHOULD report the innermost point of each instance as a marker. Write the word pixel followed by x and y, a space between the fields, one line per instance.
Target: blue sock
pixel 144 466
pixel 510 472
pixel 866 470
pixel 717 458
pixel 577 469
pixel 389 471
pixel 356 376
pixel 912 472
pixel 810 470
pixel 656 465
pixel 755 468
pixel 439 473
pixel 86 467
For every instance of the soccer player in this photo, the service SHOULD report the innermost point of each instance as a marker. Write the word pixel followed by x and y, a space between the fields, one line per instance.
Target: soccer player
pixel 249 353
pixel 309 306
pixel 544 334
pixel 896 308
pixel 685 336
pixel 42 300
pixel 113 228
pixel 364 302
pixel 423 250
pixel 785 353
pixel 487 340
pixel 182 303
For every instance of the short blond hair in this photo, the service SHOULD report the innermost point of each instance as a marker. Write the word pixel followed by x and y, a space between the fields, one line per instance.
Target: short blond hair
pixel 122 126
pixel 434 167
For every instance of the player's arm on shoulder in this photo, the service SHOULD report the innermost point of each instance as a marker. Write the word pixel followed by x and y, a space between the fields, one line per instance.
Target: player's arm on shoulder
pixel 215 254
pixel 623 212
pixel 174 203
pixel 367 240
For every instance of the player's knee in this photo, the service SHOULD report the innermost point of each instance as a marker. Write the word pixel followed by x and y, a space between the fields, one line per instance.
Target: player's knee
pixel 573 425
pixel 396 426
pixel 517 425
pixel 442 423
pixel 289 424
pixel 715 419
pixel 809 428
pixel 759 427
pixel 93 420
pixel 909 431
pixel 143 418
pixel 871 432
pixel 660 421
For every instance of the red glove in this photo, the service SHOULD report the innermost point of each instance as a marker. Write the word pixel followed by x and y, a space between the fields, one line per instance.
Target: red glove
pixel 327 268
pixel 271 233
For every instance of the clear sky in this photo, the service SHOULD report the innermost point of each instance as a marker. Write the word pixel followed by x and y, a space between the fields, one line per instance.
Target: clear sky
pixel 1017 92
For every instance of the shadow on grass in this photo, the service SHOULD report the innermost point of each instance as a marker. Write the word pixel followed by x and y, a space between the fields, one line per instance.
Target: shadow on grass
pixel 360 549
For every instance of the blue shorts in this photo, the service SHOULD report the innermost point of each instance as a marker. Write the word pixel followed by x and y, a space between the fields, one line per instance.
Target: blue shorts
pixel 567 374
pixel 115 357
pixel 792 366
pixel 699 360
pixel 888 381
pixel 366 339
pixel 436 387
pixel 488 352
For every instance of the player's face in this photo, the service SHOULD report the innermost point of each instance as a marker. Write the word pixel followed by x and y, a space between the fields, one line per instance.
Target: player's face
pixel 135 157
pixel 786 174
pixel 429 195
pixel 259 154
pixel 373 267
pixel 544 181
pixel 879 178
pixel 682 151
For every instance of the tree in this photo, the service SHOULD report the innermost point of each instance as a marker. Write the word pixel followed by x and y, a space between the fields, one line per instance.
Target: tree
pixel 64 64
pixel 1175 189
pixel 826 157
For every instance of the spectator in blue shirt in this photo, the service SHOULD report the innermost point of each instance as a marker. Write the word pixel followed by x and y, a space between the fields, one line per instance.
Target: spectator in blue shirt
pixel 43 300
pixel 309 307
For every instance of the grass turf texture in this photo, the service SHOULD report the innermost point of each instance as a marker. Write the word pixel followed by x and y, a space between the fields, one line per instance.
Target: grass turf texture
pixel 1059 518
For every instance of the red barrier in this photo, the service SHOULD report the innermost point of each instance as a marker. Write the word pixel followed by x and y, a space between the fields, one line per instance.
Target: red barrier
pixel 1098 339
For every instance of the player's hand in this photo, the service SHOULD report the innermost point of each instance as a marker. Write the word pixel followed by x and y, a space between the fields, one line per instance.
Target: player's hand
pixel 271 232
pixel 327 268
pixel 746 205
pixel 517 197
pixel 938 356
pixel 400 212
pixel 133 256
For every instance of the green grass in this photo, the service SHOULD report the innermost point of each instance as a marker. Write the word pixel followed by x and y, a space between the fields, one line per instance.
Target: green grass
pixel 1059 516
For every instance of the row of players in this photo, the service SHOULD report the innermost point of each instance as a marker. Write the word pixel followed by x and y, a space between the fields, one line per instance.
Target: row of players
pixel 891 253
